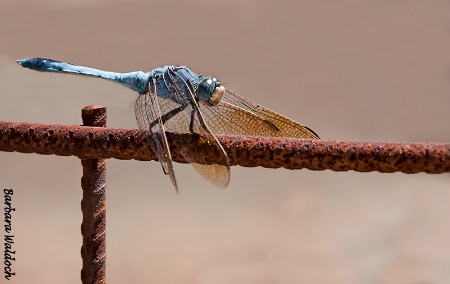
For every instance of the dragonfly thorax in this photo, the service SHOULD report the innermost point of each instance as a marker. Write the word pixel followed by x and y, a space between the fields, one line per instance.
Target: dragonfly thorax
pixel 210 91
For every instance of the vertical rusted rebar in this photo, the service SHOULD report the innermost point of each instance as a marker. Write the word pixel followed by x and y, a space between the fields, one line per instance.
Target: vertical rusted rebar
pixel 93 206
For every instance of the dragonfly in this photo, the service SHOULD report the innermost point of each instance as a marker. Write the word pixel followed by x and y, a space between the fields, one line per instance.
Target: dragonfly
pixel 178 100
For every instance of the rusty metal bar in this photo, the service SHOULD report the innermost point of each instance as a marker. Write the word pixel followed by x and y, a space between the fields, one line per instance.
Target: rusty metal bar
pixel 90 142
pixel 93 206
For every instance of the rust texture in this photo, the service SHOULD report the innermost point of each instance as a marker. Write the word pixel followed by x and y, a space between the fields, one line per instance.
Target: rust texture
pixel 91 142
pixel 93 206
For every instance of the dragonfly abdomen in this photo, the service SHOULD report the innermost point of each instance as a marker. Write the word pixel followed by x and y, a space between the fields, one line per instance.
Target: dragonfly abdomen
pixel 136 81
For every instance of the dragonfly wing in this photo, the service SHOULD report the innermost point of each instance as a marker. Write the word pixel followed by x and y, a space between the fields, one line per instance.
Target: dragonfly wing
pixel 218 174
pixel 287 126
pixel 148 116
pixel 227 118
pixel 241 116
pixel 190 120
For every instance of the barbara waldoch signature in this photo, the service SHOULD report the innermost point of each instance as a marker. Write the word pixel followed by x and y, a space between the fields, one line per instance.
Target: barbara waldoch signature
pixel 9 252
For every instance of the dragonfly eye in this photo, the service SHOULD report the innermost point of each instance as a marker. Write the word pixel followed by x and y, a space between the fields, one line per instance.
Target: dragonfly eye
pixel 217 94
pixel 210 91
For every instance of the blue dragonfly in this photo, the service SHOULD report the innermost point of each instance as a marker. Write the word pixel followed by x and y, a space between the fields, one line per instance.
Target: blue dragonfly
pixel 176 99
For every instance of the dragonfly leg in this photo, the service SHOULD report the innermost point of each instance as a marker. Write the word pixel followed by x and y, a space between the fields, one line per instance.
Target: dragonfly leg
pixel 191 124
pixel 167 116
pixel 200 118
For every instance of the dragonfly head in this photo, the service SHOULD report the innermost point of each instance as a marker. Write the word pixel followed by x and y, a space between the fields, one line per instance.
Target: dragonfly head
pixel 210 91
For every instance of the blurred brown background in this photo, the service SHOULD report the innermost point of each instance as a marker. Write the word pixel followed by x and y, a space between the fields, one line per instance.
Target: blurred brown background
pixel 351 70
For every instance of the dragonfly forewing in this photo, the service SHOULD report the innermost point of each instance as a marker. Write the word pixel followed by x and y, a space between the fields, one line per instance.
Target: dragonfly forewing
pixel 284 127
pixel 148 116
pixel 239 116
pixel 226 118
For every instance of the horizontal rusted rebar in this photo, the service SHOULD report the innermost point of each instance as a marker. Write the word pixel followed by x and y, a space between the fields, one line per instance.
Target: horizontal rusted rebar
pixel 92 142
